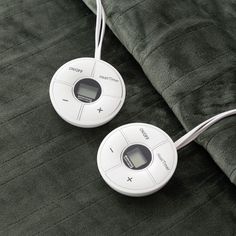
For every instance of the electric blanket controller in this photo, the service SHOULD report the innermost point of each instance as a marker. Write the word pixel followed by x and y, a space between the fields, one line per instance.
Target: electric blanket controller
pixel 87 92
pixel 137 159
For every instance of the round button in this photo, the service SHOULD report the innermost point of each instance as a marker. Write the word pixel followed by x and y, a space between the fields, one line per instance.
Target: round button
pixel 109 78
pixel 65 101
pixel 111 150
pixel 146 134
pixel 99 111
pixel 135 181
pixel 75 69
pixel 163 162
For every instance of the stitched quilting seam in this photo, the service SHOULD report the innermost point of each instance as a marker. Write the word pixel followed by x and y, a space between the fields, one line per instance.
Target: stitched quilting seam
pixel 53 201
pixel 6 66
pixel 20 13
pixel 226 53
pixel 73 148
pixel 204 84
pixel 193 212
pixel 142 62
pixel 61 154
pixel 73 214
pixel 206 146
pixel 126 10
pixel 187 29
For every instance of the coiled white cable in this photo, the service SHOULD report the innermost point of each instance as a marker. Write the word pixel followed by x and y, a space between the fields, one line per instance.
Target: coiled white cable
pixel 194 133
pixel 100 29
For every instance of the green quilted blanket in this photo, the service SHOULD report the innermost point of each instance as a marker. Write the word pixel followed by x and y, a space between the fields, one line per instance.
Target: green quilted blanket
pixel 49 182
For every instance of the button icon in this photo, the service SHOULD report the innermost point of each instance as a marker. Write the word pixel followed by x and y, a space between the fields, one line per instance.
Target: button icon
pixel 109 79
pixel 65 102
pixel 125 178
pixel 150 136
pixel 100 110
pixel 129 179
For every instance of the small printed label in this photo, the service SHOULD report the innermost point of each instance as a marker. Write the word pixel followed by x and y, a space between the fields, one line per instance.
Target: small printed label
pixel 163 161
pixel 144 133
pixel 76 69
pixel 128 162
pixel 85 99
pixel 108 78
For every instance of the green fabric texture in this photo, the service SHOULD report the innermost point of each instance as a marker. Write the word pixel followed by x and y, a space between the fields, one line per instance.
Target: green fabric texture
pixel 187 50
pixel 49 181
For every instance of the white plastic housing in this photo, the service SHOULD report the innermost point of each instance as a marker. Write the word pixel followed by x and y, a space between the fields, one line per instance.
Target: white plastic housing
pixel 87 114
pixel 137 182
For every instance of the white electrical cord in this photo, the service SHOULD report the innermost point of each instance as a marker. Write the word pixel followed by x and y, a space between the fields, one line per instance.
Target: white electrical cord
pixel 194 133
pixel 100 29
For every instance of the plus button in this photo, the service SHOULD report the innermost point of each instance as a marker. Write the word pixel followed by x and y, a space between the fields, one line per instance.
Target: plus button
pixel 100 110
pixel 129 179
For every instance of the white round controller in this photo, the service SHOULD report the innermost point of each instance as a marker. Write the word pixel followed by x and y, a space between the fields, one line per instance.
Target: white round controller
pixel 87 92
pixel 137 159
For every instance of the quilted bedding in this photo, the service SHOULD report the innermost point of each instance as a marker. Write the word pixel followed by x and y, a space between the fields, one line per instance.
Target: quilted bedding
pixel 49 182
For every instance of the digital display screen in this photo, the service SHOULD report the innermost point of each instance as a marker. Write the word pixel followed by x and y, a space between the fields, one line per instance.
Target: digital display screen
pixel 136 157
pixel 87 90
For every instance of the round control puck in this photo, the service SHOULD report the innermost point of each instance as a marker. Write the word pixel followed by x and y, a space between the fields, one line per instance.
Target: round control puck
pixel 137 159
pixel 87 92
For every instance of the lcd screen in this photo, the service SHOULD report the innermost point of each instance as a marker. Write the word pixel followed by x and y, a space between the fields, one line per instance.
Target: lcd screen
pixel 87 90
pixel 136 157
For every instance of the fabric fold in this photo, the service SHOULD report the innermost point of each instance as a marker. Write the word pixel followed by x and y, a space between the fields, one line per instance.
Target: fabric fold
pixel 188 54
